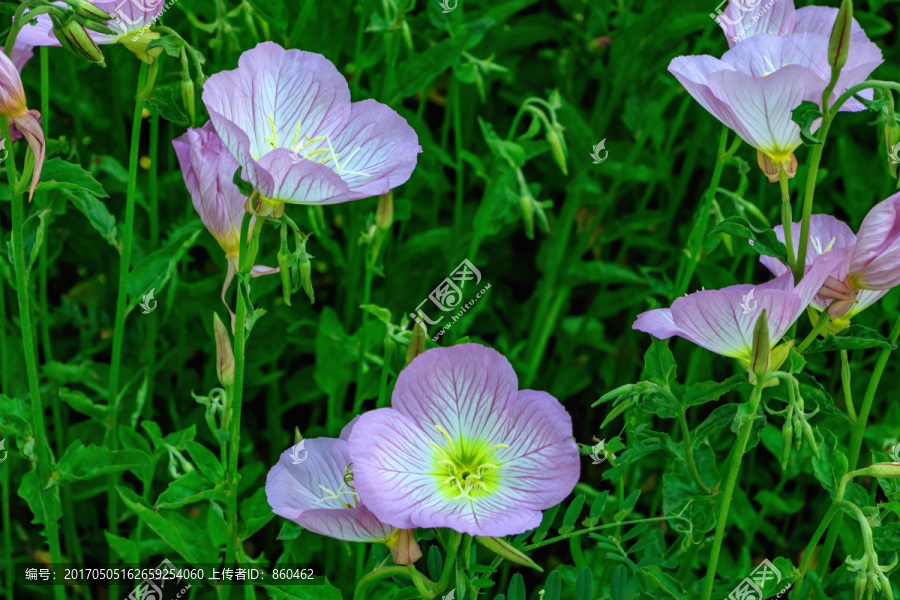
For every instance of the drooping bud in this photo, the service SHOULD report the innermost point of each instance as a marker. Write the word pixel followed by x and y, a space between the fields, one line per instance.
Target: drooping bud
pixel 284 265
pixel 761 353
pixel 416 343
pixel 188 95
pixel 74 38
pixel 403 546
pixel 787 436
pixel 526 202
pixel 506 550
pixel 224 353
pixel 305 267
pixel 558 146
pixel 839 44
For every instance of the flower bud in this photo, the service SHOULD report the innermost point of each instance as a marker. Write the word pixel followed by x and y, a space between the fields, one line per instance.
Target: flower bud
pixel 892 143
pixel 224 353
pixel 839 44
pixel 384 215
pixel 416 343
pixel 761 354
pixel 305 268
pixel 526 202
pixel 89 11
pixel 787 436
pixel 557 145
pixel 74 38
pixel 284 266
pixel 188 96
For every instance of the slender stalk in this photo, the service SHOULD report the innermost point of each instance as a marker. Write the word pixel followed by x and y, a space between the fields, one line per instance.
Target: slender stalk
pixel 369 580
pixel 689 453
pixel 821 322
pixel 703 215
pixel 153 207
pixel 730 481
pixel 41 437
pixel 787 219
pixel 856 439
pixel 811 546
pixel 112 431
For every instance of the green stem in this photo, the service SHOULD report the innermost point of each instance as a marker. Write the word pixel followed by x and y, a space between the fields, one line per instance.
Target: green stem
pixel 787 220
pixel 41 437
pixel 703 215
pixel 112 431
pixel 821 322
pixel 856 439
pixel 370 579
pixel 811 546
pixel 689 453
pixel 730 482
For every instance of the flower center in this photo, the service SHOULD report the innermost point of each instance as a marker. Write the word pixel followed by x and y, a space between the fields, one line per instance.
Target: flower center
pixel 466 469
pixel 308 148
pixel 346 494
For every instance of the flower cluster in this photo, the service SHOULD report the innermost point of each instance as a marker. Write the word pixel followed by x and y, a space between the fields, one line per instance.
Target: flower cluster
pixel 461 447
pixel 780 61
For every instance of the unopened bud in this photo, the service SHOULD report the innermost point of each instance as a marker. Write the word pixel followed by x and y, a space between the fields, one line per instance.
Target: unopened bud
pixel 839 44
pixel 416 343
pixel 760 353
pixel 188 96
pixel 892 143
pixel 74 38
pixel 771 167
pixel 557 145
pixel 526 202
pixel 305 267
pixel 384 214
pixel 224 353
pixel 284 266
pixel 89 11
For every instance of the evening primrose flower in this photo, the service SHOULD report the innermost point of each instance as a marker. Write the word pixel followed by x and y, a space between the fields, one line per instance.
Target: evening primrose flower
pixel 287 118
pixel 129 23
pixel 208 169
pixel 828 235
pixel 12 106
pixel 756 85
pixel 722 321
pixel 317 491
pixel 462 447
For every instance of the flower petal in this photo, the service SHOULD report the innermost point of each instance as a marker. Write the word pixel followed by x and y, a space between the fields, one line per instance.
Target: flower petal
pixel 294 492
pixel 463 388
pixel 875 263
pixel 776 17
pixel 658 323
pixel 30 128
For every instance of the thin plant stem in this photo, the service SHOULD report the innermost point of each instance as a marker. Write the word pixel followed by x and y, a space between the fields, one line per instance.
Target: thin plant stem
pixel 112 431
pixel 703 215
pixel 786 217
pixel 41 437
pixel 689 453
pixel 856 439
pixel 153 208
pixel 730 482
pixel 821 322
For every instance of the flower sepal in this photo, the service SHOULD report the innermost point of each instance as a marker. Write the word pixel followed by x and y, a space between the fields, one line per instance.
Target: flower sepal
pixel 74 38
pixel 138 44
pixel 403 546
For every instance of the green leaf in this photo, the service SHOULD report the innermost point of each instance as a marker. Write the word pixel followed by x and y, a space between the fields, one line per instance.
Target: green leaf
pixel 552 588
pixel 155 270
pixel 186 537
pixel 831 464
pixel 297 591
pixel 764 241
pixel 81 403
pixel 584 585
pixel 45 505
pixel 416 72
pixel 506 550
pixel 15 417
pixel 710 391
pixel 191 487
pixel 34 228
pixel 659 364
pixel 670 587
pixel 516 589
pixel 572 514
pixel 170 44
pixel 58 174
pixel 855 337
pixel 97 214
pixel 546 523
pixel 80 462
pixel 778 504
pixel 255 513
pixel 804 116
pixel 206 461
pixel 289 531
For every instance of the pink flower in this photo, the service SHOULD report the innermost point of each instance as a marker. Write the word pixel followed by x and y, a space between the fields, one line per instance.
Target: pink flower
pixel 722 321
pixel 12 106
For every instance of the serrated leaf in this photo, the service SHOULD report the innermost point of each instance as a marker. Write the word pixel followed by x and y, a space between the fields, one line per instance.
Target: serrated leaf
pixel 659 364
pixel 855 337
pixel 81 403
pixel 97 214
pixel 58 174
pixel 191 487
pixel 831 464
pixel 80 462
pixel 710 391
pixel 206 461
pixel 763 241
